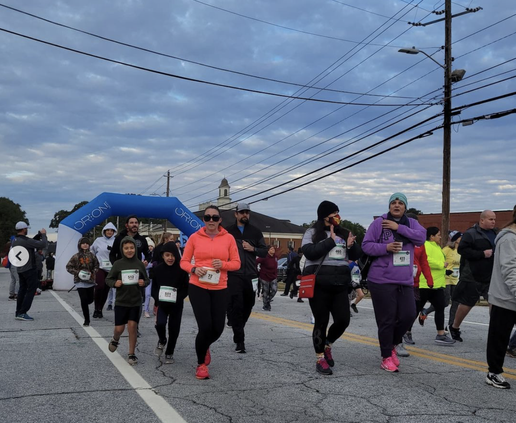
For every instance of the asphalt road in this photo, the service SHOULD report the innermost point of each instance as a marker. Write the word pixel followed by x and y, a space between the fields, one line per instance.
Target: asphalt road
pixel 54 370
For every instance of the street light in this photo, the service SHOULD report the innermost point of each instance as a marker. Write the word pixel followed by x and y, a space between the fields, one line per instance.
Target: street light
pixel 449 78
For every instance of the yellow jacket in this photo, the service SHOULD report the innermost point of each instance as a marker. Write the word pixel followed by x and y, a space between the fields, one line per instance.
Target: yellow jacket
pixel 453 260
pixel 436 261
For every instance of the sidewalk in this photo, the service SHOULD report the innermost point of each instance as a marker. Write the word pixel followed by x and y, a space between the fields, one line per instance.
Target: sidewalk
pixel 57 371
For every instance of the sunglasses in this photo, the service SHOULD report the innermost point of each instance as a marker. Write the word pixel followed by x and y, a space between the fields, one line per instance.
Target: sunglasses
pixel 208 217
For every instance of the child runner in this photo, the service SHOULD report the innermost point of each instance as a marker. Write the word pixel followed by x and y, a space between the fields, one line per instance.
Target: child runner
pixel 127 275
pixel 169 289
pixel 83 266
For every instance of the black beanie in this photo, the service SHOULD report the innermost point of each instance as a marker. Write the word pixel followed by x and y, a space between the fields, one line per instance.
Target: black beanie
pixel 325 209
pixel 170 247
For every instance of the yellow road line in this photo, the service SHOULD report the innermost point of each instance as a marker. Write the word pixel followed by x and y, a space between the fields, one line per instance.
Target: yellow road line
pixel 417 352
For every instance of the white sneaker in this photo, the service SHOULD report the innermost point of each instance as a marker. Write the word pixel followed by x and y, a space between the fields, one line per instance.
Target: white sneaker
pixel 401 351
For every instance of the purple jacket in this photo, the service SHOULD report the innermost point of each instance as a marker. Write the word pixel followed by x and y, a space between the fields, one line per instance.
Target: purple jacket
pixel 375 244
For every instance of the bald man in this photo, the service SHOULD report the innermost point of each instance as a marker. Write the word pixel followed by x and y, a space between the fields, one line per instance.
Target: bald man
pixel 476 251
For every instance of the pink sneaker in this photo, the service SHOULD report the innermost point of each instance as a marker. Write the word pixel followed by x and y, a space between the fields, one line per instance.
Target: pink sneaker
pixel 388 364
pixel 395 358
pixel 207 359
pixel 202 372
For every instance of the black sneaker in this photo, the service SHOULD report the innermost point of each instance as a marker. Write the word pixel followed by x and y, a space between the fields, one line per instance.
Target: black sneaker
pixel 497 380
pixel 455 334
pixel 132 359
pixel 86 323
pixel 109 307
pixel 323 367
pixel 95 314
pixel 354 307
pixel 113 345
pixel 240 348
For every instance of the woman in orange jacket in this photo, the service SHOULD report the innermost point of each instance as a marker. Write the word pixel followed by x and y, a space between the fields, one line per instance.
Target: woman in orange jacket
pixel 209 254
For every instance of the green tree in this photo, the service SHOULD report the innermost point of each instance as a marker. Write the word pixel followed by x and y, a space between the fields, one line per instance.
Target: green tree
pixel 414 211
pixel 10 213
pixel 63 214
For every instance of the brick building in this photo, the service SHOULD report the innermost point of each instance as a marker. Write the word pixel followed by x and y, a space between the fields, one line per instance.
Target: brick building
pixel 464 220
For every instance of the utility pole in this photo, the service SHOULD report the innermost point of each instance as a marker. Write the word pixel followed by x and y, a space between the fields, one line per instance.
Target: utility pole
pixel 168 194
pixel 445 217
pixel 447 106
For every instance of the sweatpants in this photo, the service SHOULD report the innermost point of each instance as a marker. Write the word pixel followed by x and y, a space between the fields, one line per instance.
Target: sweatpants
pixel 328 300
pixel 209 307
pixel 173 313
pixel 395 310
pixel 241 303
pixel 501 323
pixel 86 296
pixel 436 298
pixel 101 289
pixel 28 283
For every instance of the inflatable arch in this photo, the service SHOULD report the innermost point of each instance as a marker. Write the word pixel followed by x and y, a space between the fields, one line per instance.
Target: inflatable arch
pixel 109 204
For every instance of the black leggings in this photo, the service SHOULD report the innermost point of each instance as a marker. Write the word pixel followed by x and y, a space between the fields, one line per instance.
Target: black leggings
pixel 209 307
pixel 436 298
pixel 326 300
pixel 101 289
pixel 174 313
pixel 86 296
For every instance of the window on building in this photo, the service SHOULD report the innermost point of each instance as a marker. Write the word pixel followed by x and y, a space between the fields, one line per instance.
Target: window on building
pixel 292 244
pixel 276 243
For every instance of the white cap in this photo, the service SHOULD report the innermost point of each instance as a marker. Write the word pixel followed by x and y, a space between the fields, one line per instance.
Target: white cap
pixel 21 225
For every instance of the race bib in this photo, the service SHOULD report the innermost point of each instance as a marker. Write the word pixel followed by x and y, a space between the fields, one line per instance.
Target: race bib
pixel 401 258
pixel 455 272
pixel 106 265
pixel 355 278
pixel 130 277
pixel 167 294
pixel 338 252
pixel 212 276
pixel 255 284
pixel 84 275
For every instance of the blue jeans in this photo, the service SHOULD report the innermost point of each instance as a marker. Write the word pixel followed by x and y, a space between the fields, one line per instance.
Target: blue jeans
pixel 28 284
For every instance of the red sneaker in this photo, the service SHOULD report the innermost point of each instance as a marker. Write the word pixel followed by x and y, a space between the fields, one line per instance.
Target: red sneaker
pixel 202 372
pixel 207 359
pixel 387 364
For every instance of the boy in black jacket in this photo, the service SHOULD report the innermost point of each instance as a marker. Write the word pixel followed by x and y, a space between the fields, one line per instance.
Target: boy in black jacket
pixel 169 289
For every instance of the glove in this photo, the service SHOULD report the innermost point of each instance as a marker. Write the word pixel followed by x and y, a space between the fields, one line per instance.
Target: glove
pixel 449 272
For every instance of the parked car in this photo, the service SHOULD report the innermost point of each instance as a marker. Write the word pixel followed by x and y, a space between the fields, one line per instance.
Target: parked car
pixel 282 269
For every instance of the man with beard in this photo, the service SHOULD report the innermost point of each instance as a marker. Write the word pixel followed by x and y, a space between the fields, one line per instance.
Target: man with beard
pixel 131 229
pixel 250 243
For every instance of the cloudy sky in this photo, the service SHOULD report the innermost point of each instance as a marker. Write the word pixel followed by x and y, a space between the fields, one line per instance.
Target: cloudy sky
pixel 73 126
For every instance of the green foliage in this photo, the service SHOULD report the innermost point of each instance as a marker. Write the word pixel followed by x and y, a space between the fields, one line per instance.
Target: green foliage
pixel 356 228
pixel 414 211
pixel 10 214
pixel 63 214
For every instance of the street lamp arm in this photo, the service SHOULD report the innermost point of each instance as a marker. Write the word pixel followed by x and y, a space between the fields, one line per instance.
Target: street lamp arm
pixel 414 50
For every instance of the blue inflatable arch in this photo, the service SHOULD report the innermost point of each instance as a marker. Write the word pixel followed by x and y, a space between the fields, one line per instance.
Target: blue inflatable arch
pixel 109 204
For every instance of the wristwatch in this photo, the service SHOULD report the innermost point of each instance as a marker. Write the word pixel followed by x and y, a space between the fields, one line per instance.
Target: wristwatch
pixel 193 270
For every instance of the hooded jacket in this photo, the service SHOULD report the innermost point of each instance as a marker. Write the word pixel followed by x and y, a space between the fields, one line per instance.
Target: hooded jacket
pixel 127 295
pixel 142 247
pixel 502 291
pixel 375 244
pixel 174 276
pixel 83 260
pixel 204 249
pixel 101 247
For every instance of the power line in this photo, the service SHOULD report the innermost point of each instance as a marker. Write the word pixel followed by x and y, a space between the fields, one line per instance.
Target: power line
pixel 190 61
pixel 185 78
pixel 222 152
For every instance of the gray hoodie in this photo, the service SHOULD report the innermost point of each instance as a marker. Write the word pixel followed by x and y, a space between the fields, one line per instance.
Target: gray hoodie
pixel 102 246
pixel 502 291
